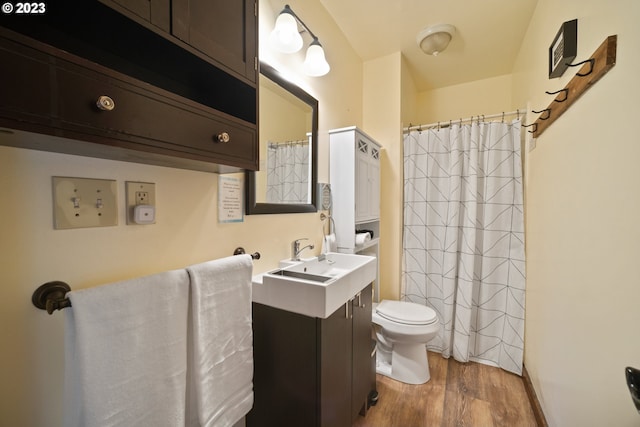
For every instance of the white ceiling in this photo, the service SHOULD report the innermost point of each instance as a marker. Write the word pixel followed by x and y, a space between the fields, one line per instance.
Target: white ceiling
pixel 487 40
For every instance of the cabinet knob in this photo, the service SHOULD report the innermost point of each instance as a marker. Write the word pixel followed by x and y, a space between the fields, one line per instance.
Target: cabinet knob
pixel 223 137
pixel 105 103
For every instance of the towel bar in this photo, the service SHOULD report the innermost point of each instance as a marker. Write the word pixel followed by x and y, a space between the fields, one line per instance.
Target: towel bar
pixel 51 296
pixel 240 251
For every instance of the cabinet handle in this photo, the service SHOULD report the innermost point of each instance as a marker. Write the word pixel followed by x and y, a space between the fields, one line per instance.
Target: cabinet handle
pixel 223 137
pixel 360 304
pixel 105 103
pixel 346 310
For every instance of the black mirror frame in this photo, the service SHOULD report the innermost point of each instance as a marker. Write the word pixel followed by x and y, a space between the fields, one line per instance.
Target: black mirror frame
pixel 252 207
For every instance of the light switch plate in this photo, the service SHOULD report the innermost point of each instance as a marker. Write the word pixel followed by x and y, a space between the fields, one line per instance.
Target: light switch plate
pixel 140 193
pixel 84 202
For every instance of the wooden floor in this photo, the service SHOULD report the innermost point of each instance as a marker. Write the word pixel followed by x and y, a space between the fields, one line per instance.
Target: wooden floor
pixel 458 395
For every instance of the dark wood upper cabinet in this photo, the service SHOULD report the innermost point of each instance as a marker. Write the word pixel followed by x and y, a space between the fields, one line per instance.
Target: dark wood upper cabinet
pixel 175 98
pixel 155 12
pixel 221 29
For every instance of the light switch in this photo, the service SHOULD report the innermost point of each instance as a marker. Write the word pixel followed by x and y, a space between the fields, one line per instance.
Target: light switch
pixel 84 202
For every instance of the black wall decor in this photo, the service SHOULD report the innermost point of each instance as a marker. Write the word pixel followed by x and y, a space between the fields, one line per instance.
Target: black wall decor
pixel 563 49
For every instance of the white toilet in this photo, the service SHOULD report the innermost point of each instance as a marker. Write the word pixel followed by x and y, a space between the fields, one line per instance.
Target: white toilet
pixel 402 331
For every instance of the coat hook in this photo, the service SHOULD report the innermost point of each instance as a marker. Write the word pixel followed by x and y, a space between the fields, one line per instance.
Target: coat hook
pixel 547 110
pixel 566 94
pixel 591 61
pixel 535 127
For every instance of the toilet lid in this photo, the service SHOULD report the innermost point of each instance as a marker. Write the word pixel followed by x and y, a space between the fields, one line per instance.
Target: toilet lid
pixel 408 313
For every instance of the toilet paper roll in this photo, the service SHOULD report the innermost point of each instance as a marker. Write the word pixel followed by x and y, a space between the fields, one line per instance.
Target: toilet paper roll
pixel 362 238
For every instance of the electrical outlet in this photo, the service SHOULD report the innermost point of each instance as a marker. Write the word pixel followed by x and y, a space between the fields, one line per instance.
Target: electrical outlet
pixel 139 194
pixel 142 197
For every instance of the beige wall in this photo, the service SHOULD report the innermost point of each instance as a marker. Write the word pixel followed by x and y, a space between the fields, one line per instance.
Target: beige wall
pixel 382 120
pixel 187 231
pixel 465 100
pixel 583 233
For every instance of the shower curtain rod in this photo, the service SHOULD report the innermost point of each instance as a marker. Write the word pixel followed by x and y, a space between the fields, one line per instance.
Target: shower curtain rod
pixel 299 142
pixel 518 112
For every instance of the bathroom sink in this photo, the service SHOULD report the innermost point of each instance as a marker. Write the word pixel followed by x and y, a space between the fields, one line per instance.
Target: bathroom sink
pixel 301 275
pixel 315 287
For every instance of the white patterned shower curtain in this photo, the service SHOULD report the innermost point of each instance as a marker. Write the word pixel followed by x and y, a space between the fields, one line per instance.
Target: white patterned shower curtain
pixel 463 239
pixel 288 172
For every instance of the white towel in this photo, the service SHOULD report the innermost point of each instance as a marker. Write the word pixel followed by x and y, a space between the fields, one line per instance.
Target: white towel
pixel 126 353
pixel 221 366
pixel 329 243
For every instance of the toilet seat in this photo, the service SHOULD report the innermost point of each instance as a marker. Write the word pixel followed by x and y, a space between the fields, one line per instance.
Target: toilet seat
pixel 407 313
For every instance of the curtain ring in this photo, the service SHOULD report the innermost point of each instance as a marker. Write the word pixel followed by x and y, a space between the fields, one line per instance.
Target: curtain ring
pixel 591 61
pixel 566 94
pixel 547 110
pixel 503 117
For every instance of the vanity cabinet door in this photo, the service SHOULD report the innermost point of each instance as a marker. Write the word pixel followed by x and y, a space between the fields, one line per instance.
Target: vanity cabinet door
pixel 224 30
pixel 336 338
pixel 362 374
pixel 285 366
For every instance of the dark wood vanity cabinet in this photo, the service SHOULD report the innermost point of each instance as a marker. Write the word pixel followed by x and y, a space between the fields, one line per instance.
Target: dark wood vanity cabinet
pixel 310 371
pixel 117 84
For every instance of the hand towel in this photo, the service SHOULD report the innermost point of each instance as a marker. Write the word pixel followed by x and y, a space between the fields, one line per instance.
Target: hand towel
pixel 221 364
pixel 126 353
pixel 329 243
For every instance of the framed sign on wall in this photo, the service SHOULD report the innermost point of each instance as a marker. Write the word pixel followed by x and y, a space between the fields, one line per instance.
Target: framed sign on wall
pixel 563 49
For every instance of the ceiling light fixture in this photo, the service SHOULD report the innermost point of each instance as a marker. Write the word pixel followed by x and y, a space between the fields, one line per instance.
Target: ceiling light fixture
pixel 435 38
pixel 285 38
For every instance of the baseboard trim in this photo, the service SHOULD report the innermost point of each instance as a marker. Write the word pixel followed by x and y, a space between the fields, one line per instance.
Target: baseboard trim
pixel 533 399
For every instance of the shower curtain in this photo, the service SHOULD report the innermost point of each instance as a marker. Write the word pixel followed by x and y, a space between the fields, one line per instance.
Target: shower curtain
pixel 288 172
pixel 463 238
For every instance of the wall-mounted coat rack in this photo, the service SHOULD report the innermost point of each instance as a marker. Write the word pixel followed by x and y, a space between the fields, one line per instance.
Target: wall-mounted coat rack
pixel 602 60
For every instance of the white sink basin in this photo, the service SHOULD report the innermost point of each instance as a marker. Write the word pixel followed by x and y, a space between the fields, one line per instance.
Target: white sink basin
pixel 315 287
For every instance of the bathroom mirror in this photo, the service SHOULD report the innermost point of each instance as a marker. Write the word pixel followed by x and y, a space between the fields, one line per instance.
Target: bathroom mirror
pixel 288 135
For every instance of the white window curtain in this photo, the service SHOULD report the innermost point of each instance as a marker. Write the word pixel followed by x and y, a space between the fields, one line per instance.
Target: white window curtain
pixel 288 172
pixel 463 239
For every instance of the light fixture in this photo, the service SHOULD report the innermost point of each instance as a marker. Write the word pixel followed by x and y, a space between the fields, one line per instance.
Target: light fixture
pixel 434 39
pixel 285 38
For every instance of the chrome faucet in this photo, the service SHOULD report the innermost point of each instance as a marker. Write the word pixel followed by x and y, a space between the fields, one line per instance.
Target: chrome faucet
pixel 296 249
